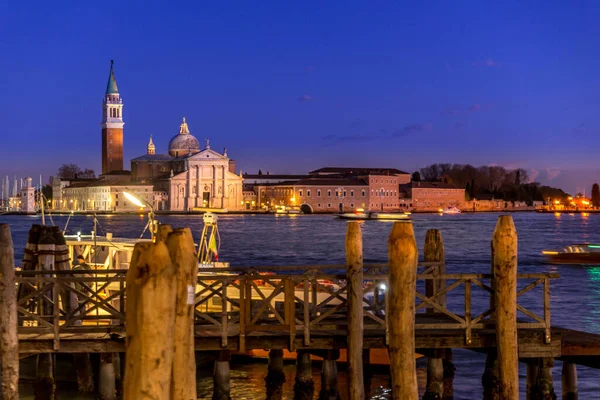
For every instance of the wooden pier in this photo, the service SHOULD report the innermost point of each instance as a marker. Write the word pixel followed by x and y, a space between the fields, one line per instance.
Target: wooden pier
pixel 305 309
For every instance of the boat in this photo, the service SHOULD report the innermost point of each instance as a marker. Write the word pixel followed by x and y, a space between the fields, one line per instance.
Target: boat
pixel 287 210
pixel 360 214
pixel 449 210
pixel 582 254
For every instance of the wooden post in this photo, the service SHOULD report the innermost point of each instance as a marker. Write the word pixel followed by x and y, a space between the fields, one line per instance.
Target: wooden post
pixel 181 249
pixel 533 368
pixel 150 319
pixel 435 376
pixel 354 274
pixel 275 376
pixel 84 372
pixel 107 389
pixel 304 388
pixel 117 361
pixel 329 372
pixel 163 232
pixel 45 386
pixel 222 387
pixel 491 378
pixel 403 257
pixel 545 386
pixel 569 381
pixel 9 340
pixel 504 245
pixel 434 252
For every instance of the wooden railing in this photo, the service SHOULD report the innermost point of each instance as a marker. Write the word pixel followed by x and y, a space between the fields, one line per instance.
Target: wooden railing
pixel 238 302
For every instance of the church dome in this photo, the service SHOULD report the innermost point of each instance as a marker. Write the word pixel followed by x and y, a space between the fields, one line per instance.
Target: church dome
pixel 183 143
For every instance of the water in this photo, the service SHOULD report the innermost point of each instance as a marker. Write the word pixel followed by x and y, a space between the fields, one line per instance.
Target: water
pixel 319 239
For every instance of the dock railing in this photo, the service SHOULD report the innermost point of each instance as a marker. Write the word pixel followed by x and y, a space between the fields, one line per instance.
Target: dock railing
pixel 309 300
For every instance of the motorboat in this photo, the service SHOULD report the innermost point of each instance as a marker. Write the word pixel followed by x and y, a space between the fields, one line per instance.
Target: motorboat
pixel 360 214
pixel 583 254
pixel 450 210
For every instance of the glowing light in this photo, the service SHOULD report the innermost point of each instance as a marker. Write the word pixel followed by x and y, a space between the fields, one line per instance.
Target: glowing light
pixel 136 202
pixel 293 199
pixel 242 203
pixel 556 201
pixel 383 286
pixel 557 214
pixel 550 252
pixel 585 202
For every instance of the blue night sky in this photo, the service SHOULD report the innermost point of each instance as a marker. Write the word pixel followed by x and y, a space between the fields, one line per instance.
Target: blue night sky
pixel 289 87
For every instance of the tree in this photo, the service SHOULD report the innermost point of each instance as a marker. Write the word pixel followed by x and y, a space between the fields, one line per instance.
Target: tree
pixel 416 176
pixel 72 171
pixel 596 195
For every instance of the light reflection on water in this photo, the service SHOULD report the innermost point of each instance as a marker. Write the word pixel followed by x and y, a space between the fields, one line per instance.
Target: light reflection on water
pixel 300 239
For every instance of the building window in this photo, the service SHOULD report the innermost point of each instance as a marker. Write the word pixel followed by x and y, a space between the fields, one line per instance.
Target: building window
pixel 318 193
pixel 308 193
pixel 116 203
pixel 352 193
pixel 363 193
pixel 352 205
pixel 300 193
pixel 328 205
pixel 319 205
pixel 329 193
pixel 344 193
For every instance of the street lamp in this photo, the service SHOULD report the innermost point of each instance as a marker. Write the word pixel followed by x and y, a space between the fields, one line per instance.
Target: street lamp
pixel 136 201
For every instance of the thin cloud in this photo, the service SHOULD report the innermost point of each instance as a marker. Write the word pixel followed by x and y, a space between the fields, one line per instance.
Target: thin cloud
pixel 474 108
pixel 412 129
pixel 489 63
pixel 305 97
pixel 552 173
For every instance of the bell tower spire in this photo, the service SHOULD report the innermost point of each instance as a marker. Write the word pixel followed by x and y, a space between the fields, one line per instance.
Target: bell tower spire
pixel 112 125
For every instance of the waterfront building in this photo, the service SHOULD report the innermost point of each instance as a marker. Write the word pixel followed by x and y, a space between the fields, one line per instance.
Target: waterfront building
pixel 188 176
pixel 104 194
pixel 335 189
pixel 27 199
pixel 112 126
pixel 431 196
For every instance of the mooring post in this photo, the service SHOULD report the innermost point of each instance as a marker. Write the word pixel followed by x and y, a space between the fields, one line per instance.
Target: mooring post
pixel 117 365
pixel 151 292
pixel 9 341
pixel 545 384
pixel 329 372
pixel 569 381
pixel 107 389
pixel 403 258
pixel 275 376
pixel 504 244
pixel 221 383
pixel 181 249
pixel 304 388
pixel 354 274
pixel 367 371
pixel 533 369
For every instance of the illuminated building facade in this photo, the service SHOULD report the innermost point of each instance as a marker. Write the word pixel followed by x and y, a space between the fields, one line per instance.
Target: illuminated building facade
pixel 112 126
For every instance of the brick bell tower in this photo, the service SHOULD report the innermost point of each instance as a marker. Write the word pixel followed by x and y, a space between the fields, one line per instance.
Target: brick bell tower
pixel 112 126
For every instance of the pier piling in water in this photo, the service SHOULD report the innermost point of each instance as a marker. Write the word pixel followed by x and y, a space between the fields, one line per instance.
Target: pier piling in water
pixel 9 340
pixel 435 376
pixel 533 369
pixel 275 376
pixel 221 383
pixel 354 273
pixel 504 244
pixel 107 389
pixel 329 371
pixel 569 381
pixel 304 386
pixel 545 385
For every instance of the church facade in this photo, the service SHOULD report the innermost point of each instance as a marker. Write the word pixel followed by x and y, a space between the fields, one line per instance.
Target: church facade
pixel 189 177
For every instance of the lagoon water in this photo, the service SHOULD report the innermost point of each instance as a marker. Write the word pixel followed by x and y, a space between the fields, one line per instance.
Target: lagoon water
pixel 319 239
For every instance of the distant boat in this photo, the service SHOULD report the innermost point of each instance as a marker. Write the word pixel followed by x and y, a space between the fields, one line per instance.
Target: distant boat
pixel 450 210
pixel 583 254
pixel 362 215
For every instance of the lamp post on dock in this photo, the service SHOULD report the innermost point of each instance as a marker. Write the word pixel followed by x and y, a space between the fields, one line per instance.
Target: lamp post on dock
pixel 152 223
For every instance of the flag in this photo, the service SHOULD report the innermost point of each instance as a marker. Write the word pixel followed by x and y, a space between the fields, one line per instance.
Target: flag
pixel 212 246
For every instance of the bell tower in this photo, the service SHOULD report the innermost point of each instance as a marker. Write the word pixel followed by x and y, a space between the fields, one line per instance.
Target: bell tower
pixel 112 126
